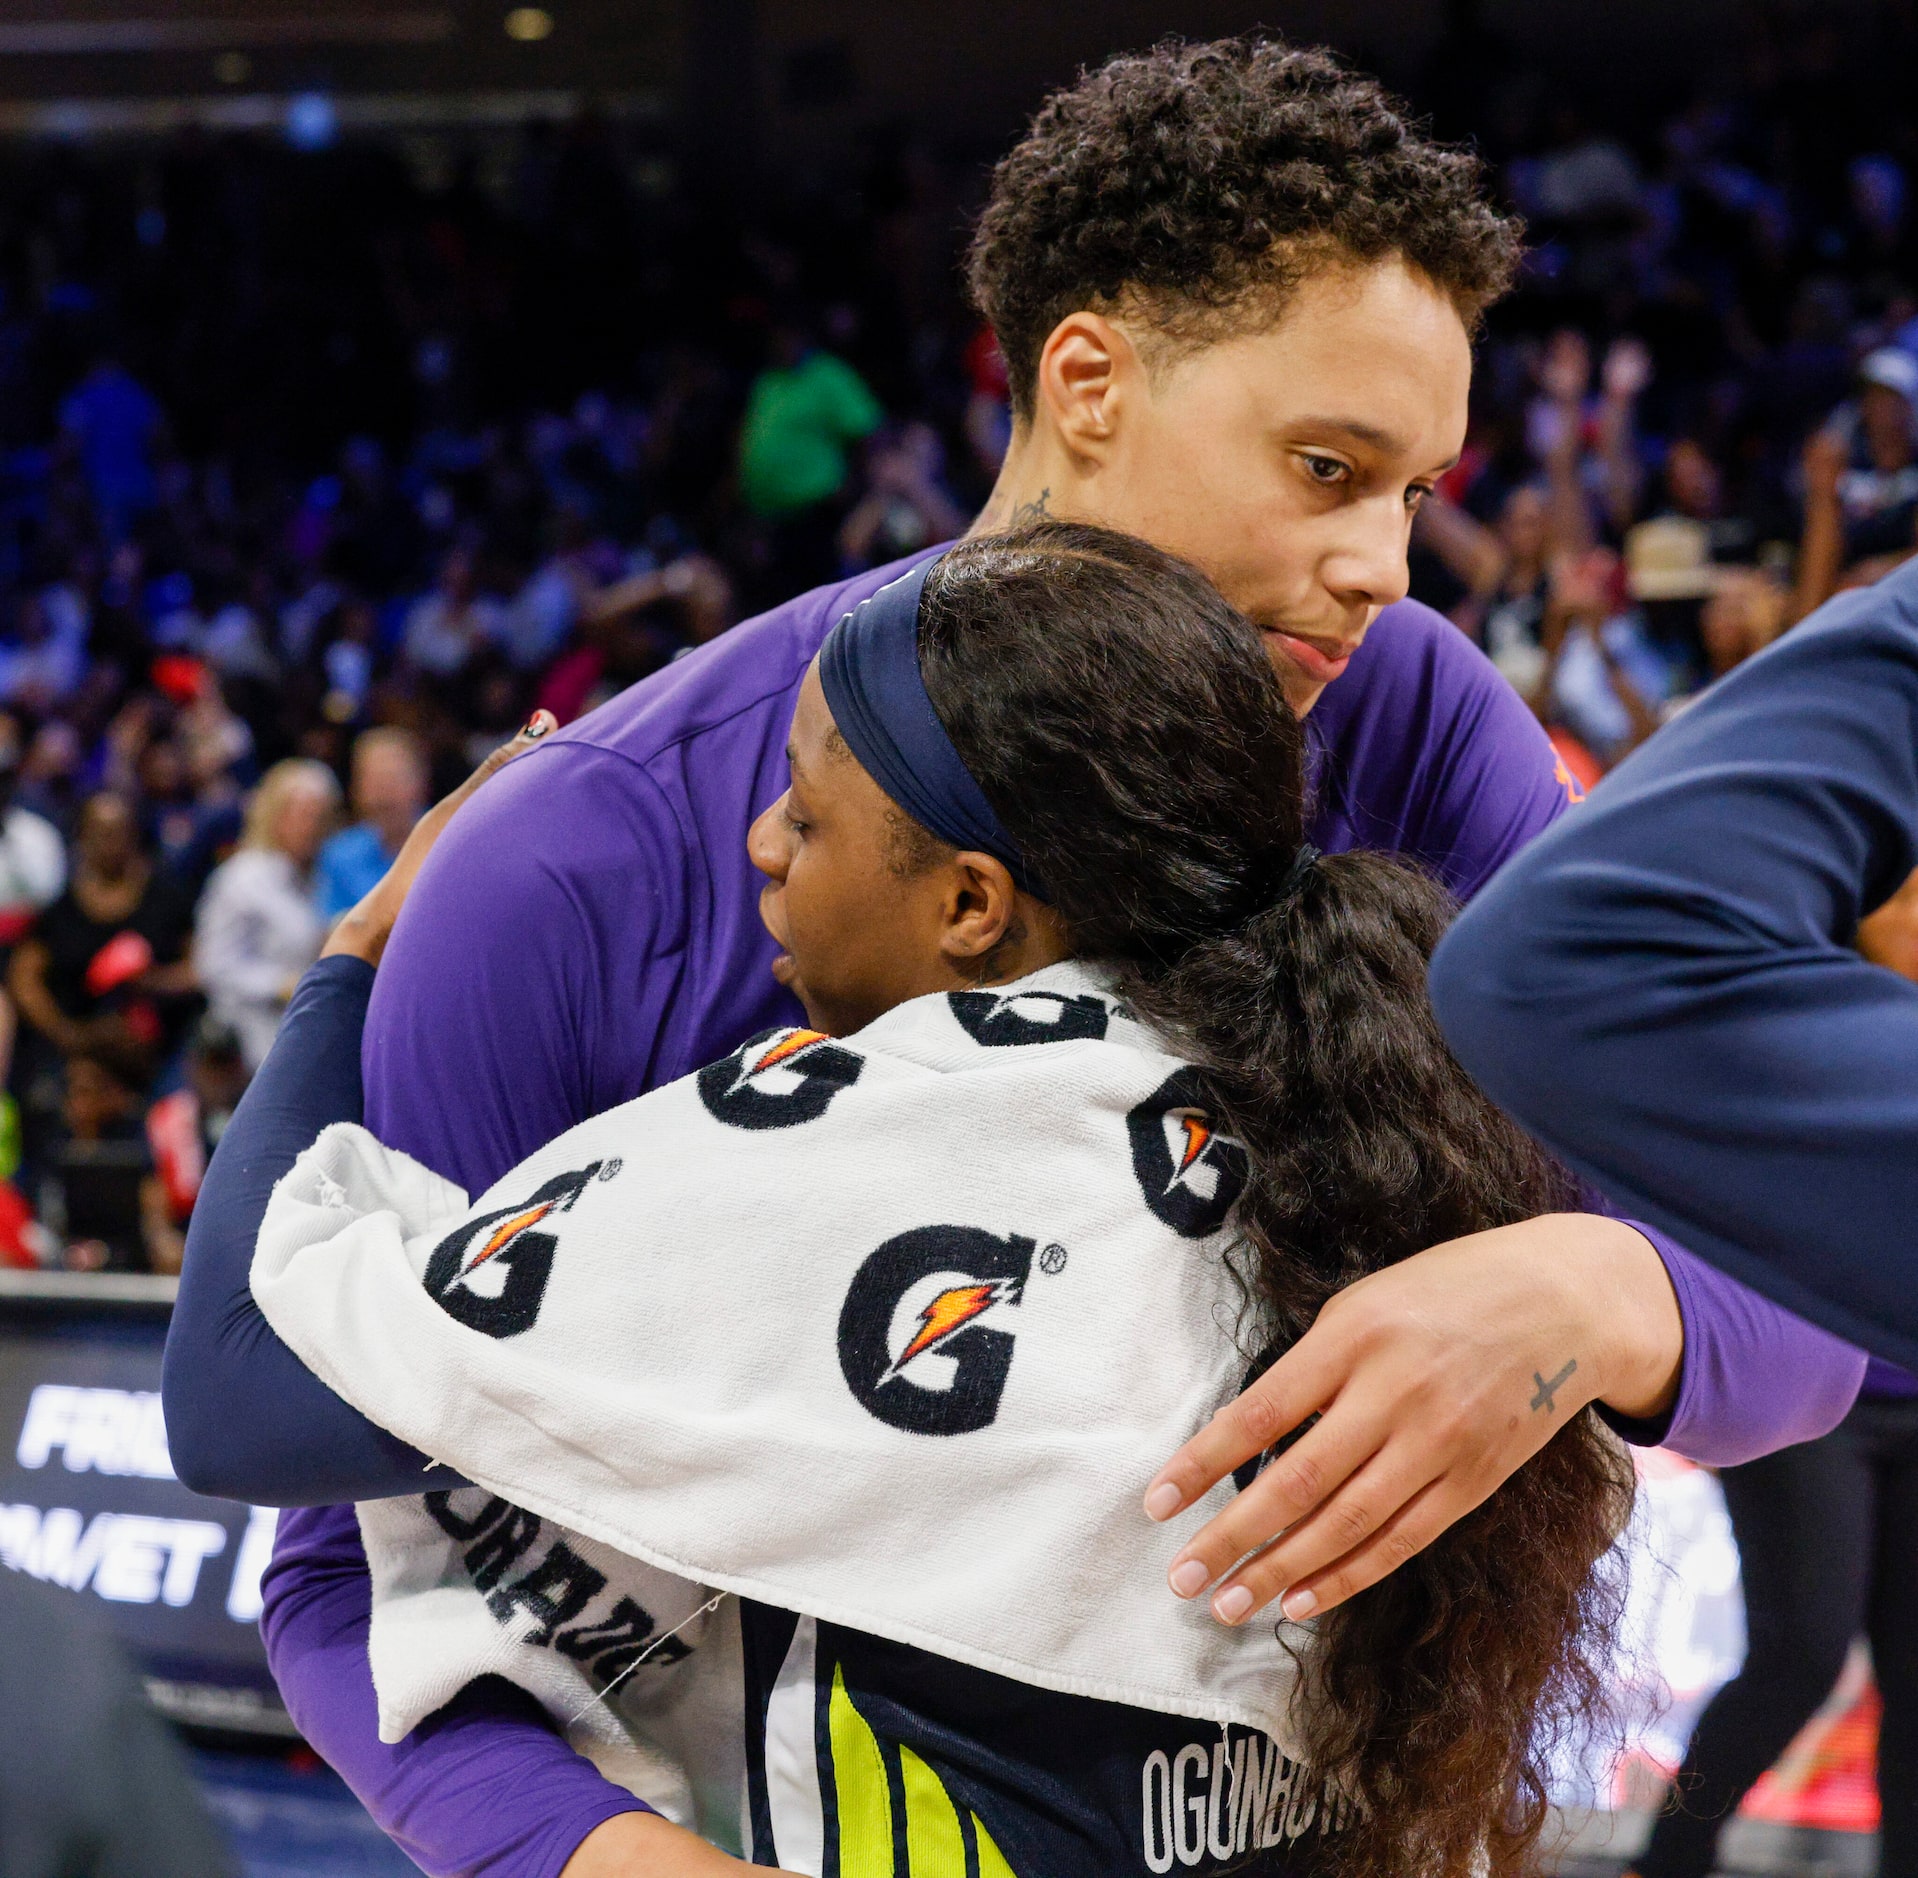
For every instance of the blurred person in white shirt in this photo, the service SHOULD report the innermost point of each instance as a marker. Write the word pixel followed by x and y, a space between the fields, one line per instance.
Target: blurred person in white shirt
pixel 33 858
pixel 259 927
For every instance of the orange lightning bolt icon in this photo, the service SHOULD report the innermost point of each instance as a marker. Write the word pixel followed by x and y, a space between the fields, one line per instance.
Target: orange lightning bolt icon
pixel 1197 1133
pixel 785 1047
pixel 949 1312
pixel 508 1228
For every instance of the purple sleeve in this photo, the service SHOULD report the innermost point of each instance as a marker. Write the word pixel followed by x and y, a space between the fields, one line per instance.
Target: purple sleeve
pixel 532 966
pixel 479 1048
pixel 1755 1378
pixel 457 1795
pixel 1423 750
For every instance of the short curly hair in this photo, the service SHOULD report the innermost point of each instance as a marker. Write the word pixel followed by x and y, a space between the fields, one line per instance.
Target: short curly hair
pixel 1200 183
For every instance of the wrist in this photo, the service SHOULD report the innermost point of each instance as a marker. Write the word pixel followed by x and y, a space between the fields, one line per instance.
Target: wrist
pixel 358 934
pixel 1637 1332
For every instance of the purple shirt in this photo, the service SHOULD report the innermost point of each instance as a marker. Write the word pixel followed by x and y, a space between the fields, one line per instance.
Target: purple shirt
pixel 588 928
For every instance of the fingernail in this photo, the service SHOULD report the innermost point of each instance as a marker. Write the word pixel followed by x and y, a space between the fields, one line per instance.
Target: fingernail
pixel 1231 1604
pixel 1299 1605
pixel 537 725
pixel 1163 1501
pixel 1188 1578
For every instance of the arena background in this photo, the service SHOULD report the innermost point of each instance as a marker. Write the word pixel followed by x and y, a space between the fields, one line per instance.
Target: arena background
pixel 386 365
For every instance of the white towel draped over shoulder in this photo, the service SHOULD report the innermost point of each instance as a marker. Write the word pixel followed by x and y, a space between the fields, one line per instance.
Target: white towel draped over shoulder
pixel 890 1331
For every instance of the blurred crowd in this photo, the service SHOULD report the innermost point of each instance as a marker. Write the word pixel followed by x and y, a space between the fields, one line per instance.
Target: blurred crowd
pixel 1694 422
pixel 320 469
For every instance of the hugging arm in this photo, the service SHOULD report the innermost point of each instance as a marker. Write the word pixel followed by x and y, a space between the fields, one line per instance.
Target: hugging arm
pixel 477 1052
pixel 246 1419
pixel 1440 1376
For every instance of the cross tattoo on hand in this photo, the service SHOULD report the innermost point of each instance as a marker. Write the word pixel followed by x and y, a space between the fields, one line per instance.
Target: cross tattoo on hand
pixel 1546 1390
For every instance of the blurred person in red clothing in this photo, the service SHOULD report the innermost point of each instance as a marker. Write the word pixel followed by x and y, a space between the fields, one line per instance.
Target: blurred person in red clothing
pixel 184 1126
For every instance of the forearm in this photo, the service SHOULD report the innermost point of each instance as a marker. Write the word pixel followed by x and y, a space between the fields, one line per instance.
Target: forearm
pixel 484 1789
pixel 471 1061
pixel 27 980
pixel 646 1842
pixel 1821 555
pixel 1469 550
pixel 1570 513
pixel 245 1418
pixel 1618 452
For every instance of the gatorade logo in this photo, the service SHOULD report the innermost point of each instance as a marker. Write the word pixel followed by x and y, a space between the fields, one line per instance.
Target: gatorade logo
pixel 1189 1173
pixel 925 1340
pixel 779 1079
pixel 1028 1016
pixel 490 1273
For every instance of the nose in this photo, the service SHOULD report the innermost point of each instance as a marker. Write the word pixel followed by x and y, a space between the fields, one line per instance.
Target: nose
pixel 766 846
pixel 1368 568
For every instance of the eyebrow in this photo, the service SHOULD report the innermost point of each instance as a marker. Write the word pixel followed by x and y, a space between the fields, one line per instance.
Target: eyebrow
pixel 1353 428
pixel 1358 432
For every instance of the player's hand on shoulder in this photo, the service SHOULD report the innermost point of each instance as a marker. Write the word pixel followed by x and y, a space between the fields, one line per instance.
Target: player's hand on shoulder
pixel 1427 1385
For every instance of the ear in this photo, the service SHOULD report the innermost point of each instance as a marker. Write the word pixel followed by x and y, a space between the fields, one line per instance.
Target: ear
pixel 1090 375
pixel 979 910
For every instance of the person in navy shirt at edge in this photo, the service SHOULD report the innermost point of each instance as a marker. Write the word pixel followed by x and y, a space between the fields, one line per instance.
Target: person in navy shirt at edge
pixel 1273 409
pixel 1703 992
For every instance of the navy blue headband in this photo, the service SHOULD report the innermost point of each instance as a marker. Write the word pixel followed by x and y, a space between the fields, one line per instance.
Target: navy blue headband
pixel 869 670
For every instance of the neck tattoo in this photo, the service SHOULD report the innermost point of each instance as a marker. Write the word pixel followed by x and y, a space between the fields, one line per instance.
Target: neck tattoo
pixel 1039 509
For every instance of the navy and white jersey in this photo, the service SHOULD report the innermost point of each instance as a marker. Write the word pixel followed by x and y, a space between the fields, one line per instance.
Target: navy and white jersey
pixel 869 1759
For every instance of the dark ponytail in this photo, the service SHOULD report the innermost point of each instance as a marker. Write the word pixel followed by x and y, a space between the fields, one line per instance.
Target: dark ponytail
pixel 1129 730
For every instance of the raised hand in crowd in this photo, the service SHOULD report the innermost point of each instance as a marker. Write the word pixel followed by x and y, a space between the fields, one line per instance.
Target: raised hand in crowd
pixel 1821 548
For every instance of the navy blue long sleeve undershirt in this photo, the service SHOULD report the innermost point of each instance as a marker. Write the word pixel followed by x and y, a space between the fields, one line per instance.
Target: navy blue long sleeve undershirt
pixel 237 1400
pixel 1663 988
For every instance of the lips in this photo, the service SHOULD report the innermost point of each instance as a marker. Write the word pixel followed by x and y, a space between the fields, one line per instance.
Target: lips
pixel 1320 660
pixel 783 964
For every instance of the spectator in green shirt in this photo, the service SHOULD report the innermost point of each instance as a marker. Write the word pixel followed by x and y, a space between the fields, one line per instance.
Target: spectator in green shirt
pixel 804 409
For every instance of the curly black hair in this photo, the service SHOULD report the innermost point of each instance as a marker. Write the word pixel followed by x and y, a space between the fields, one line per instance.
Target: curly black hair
pixel 1128 728
pixel 1200 182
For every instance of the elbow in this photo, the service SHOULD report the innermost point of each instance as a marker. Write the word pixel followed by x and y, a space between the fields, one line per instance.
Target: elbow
pixel 202 1466
pixel 195 1451
pixel 205 1442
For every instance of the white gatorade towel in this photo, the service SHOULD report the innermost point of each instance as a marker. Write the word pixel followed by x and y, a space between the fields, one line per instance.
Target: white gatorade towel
pixel 891 1331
